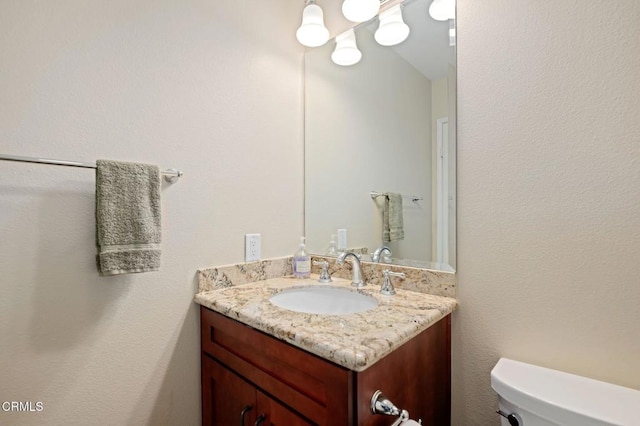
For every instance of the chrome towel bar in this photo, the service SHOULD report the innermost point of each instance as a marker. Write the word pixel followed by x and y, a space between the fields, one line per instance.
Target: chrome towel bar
pixel 380 404
pixel 170 175
pixel 375 194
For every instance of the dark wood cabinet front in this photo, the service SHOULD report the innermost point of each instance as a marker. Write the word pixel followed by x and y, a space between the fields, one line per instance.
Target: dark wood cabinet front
pixel 226 396
pixel 252 377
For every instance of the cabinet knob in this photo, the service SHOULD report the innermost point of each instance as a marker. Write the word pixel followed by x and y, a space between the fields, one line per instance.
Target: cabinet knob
pixel 244 411
pixel 260 419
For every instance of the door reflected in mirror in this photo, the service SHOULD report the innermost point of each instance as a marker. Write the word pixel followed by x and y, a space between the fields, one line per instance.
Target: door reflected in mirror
pixel 386 125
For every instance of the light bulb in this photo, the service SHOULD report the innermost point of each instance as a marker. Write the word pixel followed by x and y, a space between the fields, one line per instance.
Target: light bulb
pixel 346 52
pixel 312 32
pixel 442 10
pixel 360 10
pixel 392 29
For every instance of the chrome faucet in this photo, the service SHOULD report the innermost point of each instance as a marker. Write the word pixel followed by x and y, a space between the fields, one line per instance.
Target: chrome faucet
pixel 378 253
pixel 356 278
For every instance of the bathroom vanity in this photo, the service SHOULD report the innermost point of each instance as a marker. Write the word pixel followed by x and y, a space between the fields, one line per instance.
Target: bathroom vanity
pixel 262 364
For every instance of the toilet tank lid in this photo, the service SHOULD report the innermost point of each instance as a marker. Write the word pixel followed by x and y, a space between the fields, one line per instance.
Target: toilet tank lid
pixel 557 395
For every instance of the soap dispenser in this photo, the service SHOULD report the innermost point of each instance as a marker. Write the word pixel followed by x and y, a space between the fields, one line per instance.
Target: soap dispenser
pixel 332 250
pixel 301 261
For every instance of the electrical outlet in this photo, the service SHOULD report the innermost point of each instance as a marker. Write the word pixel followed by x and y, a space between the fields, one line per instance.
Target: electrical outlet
pixel 251 247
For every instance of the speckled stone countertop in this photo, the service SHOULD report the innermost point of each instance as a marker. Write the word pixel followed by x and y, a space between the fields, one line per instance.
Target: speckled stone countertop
pixel 355 341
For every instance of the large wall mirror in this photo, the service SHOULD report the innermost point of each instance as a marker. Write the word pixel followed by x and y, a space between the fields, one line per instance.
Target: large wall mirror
pixel 385 124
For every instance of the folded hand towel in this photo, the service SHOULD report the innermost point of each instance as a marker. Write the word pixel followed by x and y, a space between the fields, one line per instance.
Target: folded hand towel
pixel 127 217
pixel 392 217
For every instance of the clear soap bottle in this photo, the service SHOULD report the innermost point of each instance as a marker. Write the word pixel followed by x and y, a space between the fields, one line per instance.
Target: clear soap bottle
pixel 301 261
pixel 332 250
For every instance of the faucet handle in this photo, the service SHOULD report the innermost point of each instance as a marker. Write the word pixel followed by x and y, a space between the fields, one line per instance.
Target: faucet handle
pixel 325 277
pixel 387 288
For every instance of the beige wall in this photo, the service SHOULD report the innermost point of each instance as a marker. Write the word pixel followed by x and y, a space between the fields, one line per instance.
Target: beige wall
pixel 210 87
pixel 548 193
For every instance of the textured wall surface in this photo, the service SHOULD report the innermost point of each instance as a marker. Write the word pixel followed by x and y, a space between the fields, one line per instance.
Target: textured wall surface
pixel 209 87
pixel 548 193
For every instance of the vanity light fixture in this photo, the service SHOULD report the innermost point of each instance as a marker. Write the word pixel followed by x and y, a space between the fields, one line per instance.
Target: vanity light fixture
pixel 312 32
pixel 442 10
pixel 392 29
pixel 346 52
pixel 360 10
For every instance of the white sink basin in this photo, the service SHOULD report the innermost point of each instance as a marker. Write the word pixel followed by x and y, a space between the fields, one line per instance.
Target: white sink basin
pixel 323 300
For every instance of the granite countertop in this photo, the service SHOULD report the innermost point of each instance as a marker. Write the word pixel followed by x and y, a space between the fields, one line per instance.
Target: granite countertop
pixel 354 341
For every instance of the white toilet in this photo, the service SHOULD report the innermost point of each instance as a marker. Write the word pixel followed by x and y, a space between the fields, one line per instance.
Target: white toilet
pixel 535 396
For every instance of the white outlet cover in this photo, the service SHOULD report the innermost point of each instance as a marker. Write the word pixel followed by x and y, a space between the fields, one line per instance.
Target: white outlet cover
pixel 342 239
pixel 251 247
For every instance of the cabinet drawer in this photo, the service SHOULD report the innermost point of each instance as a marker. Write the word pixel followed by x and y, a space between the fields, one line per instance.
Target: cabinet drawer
pixel 317 389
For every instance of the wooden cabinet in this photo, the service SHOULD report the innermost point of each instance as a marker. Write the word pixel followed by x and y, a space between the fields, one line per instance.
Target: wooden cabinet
pixel 287 386
pixel 277 414
pixel 226 395
pixel 231 400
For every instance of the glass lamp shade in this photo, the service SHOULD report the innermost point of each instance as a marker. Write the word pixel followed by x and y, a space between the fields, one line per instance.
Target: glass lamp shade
pixel 392 29
pixel 312 32
pixel 442 10
pixel 360 10
pixel 346 52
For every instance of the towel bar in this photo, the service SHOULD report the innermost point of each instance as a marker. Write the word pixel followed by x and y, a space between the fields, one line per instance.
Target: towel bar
pixel 380 404
pixel 170 175
pixel 375 194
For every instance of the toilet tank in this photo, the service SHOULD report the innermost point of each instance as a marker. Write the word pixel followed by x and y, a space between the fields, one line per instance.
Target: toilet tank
pixel 541 396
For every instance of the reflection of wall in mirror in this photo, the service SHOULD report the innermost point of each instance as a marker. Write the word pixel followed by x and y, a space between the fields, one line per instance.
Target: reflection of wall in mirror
pixel 358 140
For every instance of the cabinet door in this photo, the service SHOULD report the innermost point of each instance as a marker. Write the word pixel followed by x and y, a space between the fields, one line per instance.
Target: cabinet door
pixel 316 389
pixel 226 398
pixel 276 414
